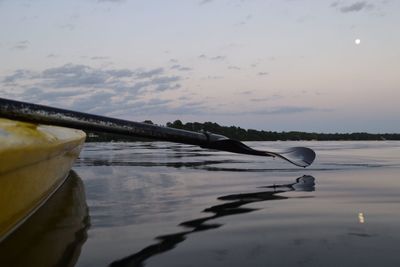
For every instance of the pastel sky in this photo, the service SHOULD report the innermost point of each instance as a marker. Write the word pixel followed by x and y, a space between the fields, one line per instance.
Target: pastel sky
pixel 262 64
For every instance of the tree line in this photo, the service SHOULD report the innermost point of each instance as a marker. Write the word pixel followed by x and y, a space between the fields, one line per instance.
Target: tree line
pixel 241 134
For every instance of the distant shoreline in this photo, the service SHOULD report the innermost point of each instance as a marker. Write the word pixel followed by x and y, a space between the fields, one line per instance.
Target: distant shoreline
pixel 241 134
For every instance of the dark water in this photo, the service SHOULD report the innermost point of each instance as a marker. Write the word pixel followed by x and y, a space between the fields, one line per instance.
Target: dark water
pixel 161 204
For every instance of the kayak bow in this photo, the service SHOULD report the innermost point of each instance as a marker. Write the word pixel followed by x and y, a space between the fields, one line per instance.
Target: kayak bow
pixel 34 162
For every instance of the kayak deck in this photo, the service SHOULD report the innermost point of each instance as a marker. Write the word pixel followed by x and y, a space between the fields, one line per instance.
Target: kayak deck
pixel 34 162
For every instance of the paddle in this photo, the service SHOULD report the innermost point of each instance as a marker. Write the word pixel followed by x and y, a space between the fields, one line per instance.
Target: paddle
pixel 28 112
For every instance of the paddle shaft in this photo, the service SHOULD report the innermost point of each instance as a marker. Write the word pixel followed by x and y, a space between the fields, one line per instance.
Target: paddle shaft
pixel 34 113
pixel 28 112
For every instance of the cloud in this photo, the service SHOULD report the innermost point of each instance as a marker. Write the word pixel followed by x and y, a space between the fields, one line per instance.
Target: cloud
pixel 180 68
pixel 165 83
pixel 120 73
pixel 212 77
pixel 149 73
pixel 155 107
pixel 88 88
pixel 214 58
pixel 71 75
pixel 119 92
pixel 22 45
pixel 218 58
pixel 248 92
pixel 36 94
pixel 98 102
pixel 284 110
pixel 69 27
pixel 289 110
pixel 245 20
pixel 191 108
pixel 18 75
pixel 111 1
pixel 99 58
pixel 335 4
pixel 265 99
pixel 203 2
pixel 355 7
pixel 201 109
pixel 185 69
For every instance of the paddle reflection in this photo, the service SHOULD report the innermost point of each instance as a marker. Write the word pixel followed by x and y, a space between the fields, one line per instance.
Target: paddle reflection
pixel 169 242
pixel 54 235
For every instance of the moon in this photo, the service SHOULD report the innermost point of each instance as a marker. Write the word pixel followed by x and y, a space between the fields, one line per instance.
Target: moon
pixel 357 41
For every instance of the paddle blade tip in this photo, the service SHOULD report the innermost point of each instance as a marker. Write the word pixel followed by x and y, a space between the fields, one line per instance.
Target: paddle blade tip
pixel 300 156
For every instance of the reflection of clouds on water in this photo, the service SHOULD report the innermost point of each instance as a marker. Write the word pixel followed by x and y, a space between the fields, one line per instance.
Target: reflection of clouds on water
pixel 163 154
pixel 144 190
pixel 127 181
pixel 125 197
pixel 233 207
pixel 147 154
pixel 331 157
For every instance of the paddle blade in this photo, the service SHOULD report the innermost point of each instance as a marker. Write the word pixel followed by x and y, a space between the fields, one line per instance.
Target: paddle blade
pixel 300 156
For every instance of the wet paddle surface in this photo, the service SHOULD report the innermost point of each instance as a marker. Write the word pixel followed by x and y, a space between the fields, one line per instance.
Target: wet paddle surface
pixel 162 204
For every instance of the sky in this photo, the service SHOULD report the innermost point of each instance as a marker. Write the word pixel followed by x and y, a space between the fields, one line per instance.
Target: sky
pixel 279 65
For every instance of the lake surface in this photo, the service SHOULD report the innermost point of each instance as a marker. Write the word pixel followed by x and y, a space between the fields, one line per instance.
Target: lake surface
pixel 163 204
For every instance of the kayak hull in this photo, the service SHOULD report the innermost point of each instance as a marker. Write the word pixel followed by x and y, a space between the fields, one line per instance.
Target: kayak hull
pixel 34 162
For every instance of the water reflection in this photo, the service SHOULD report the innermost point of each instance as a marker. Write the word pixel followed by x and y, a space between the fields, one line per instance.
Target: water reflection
pixel 170 241
pixel 54 235
pixel 125 162
pixel 162 154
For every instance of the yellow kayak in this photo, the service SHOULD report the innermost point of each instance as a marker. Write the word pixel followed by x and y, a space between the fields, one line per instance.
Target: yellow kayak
pixel 54 234
pixel 34 162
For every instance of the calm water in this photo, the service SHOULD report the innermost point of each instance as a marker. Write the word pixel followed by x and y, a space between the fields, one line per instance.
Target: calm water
pixel 162 204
